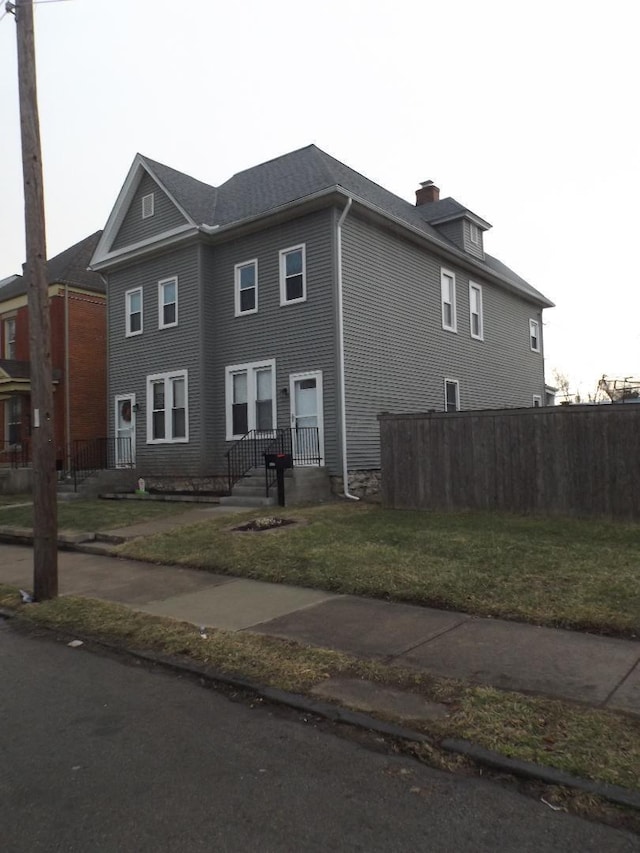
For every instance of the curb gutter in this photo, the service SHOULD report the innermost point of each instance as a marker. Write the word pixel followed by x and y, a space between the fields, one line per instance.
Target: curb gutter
pixel 523 769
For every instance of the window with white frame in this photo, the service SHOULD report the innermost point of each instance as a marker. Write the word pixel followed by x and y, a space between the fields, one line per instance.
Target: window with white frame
pixel 133 309
pixel 448 290
pixel 148 206
pixel 13 419
pixel 534 335
pixel 246 278
pixel 451 395
pixel 537 401
pixel 10 337
pixel 168 303
pixel 250 398
pixel 167 408
pixel 293 278
pixel 476 319
pixel 474 233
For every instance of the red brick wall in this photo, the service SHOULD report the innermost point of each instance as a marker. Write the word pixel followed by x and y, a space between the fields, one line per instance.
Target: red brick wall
pixel 88 366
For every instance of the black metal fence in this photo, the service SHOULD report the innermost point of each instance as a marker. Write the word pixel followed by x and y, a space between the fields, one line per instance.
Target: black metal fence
pixel 100 454
pixel 15 455
pixel 302 443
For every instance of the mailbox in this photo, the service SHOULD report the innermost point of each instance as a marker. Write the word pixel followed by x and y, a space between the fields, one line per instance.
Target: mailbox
pixel 279 461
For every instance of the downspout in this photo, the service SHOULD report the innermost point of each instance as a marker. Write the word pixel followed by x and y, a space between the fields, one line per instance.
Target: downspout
pixel 67 381
pixel 343 395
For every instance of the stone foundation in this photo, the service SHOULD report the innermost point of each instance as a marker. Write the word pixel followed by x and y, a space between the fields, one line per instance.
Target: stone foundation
pixel 362 483
pixel 214 484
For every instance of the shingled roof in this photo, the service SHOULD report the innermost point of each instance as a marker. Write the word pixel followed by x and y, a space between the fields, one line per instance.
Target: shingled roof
pixel 69 267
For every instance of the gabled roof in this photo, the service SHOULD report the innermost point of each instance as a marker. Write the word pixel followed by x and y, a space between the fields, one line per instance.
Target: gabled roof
pixel 288 179
pixel 69 267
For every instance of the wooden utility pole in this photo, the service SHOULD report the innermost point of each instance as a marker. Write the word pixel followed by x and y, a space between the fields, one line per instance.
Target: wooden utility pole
pixel 45 521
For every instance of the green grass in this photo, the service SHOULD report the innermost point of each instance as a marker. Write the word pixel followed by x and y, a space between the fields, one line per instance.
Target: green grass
pixel 8 500
pixel 580 574
pixel 94 515
pixel 587 742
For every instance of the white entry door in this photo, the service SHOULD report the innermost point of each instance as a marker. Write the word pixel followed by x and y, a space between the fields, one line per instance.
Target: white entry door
pixel 307 419
pixel 125 452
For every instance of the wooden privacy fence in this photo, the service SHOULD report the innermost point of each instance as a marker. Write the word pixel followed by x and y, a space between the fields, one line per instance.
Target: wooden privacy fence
pixel 572 460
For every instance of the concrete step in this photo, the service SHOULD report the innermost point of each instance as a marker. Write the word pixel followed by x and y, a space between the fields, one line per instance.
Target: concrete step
pixel 248 500
pixel 248 490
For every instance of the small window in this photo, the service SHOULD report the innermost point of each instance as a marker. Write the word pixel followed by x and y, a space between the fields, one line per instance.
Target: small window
pixel 167 409
pixel 451 395
pixel 537 401
pixel 246 277
pixel 148 206
pixel 251 403
pixel 448 290
pixel 10 338
pixel 534 335
pixel 293 284
pixel 133 310
pixel 13 420
pixel 474 233
pixel 167 303
pixel 476 320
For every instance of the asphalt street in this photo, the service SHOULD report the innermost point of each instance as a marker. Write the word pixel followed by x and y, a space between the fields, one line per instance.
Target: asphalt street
pixel 99 755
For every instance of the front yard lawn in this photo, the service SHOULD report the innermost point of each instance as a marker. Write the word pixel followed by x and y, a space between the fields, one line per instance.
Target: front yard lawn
pixel 572 573
pixel 94 515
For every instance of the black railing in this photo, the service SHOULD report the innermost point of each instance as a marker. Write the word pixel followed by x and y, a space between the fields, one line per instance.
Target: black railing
pixel 303 443
pixel 15 455
pixel 100 454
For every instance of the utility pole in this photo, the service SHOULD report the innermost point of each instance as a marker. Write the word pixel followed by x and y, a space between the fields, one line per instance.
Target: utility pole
pixel 45 521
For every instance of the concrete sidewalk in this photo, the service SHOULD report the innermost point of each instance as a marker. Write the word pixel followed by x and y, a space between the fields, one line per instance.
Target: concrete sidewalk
pixel 599 671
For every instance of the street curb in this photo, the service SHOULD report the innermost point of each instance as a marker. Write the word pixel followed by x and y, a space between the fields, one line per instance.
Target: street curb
pixel 523 769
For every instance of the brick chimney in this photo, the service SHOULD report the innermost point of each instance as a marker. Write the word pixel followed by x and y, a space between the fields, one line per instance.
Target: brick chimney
pixel 427 194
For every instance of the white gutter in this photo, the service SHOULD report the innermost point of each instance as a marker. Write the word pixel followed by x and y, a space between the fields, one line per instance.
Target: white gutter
pixel 343 395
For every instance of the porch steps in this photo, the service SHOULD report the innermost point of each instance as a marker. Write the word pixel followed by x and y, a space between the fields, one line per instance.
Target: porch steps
pixel 249 491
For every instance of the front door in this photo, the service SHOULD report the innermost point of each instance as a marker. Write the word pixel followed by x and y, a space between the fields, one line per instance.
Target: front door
pixel 307 420
pixel 125 449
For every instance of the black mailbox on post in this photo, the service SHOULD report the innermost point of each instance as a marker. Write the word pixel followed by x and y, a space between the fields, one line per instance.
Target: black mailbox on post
pixel 278 462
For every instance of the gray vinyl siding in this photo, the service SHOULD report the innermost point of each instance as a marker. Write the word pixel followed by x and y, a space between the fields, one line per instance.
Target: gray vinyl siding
pixel 453 231
pixel 475 249
pixel 134 228
pixel 300 337
pixel 397 355
pixel 156 350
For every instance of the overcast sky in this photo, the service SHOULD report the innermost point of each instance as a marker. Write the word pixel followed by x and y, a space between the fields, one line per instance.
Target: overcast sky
pixel 526 113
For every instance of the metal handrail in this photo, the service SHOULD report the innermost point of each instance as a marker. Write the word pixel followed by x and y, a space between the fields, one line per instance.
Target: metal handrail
pixel 100 454
pixel 303 443
pixel 15 455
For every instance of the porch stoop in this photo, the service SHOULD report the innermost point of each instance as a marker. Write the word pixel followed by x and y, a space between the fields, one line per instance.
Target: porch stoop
pixel 302 485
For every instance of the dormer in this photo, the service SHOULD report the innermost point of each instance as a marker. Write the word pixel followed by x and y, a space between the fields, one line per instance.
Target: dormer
pixel 454 221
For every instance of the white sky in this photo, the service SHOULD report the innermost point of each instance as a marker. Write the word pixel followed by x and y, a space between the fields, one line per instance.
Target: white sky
pixel 524 112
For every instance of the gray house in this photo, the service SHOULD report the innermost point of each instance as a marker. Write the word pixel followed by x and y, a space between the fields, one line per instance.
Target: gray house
pixel 299 294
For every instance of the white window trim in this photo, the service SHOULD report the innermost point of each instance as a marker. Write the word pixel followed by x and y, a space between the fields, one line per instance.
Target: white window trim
pixel 454 313
pixel 456 382
pixel 474 231
pixel 148 206
pixel 127 308
pixel 236 272
pixel 168 405
pixel 535 323
pixel 250 367
pixel 171 280
pixel 538 398
pixel 473 285
pixel 8 423
pixel 6 339
pixel 283 280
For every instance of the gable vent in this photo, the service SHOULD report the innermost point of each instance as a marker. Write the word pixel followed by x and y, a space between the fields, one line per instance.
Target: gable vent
pixel 147 206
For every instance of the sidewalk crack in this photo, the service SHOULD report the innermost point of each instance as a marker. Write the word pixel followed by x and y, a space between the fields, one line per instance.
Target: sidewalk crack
pixel 620 683
pixel 430 639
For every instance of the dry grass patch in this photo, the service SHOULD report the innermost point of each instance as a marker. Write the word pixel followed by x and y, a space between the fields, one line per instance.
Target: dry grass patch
pixel 91 515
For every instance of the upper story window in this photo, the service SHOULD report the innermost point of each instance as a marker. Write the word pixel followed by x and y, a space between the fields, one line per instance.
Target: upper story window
pixel 167 408
pixel 168 303
pixel 133 311
pixel 474 233
pixel 246 278
pixel 148 205
pixel 250 398
pixel 534 335
pixel 476 320
pixel 448 291
pixel 10 337
pixel 451 395
pixel 293 278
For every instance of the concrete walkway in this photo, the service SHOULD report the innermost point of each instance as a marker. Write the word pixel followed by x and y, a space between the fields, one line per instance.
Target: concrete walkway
pixel 585 668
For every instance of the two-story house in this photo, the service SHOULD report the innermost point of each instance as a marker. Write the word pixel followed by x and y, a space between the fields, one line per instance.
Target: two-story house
pixel 301 295
pixel 77 312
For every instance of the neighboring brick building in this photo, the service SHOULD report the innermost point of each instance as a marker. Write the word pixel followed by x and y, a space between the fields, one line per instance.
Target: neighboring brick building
pixel 78 351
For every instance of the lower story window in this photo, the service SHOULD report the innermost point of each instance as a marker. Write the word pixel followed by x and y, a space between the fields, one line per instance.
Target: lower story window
pixel 451 395
pixel 167 407
pixel 13 419
pixel 251 403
